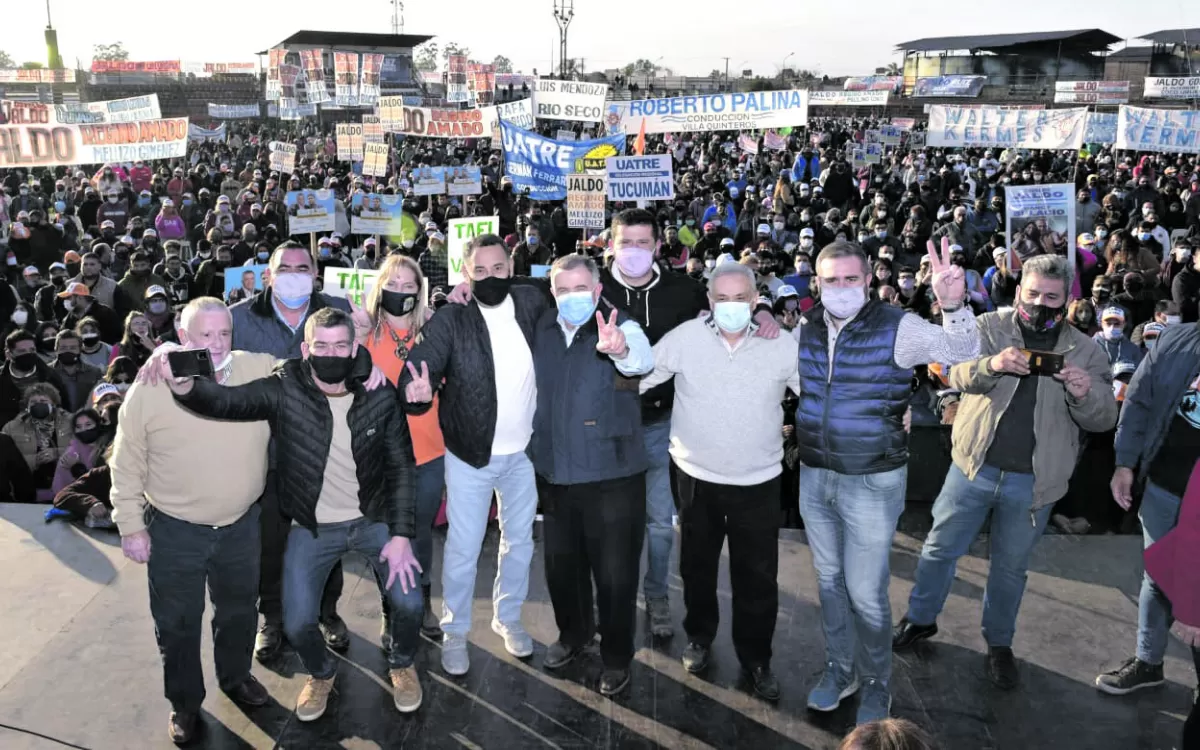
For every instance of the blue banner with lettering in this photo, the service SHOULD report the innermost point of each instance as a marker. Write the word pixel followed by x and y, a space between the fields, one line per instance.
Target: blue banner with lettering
pixel 539 165
pixel 949 86
pixel 1101 128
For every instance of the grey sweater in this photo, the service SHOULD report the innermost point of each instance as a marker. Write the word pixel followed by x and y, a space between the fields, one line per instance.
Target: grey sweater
pixel 728 415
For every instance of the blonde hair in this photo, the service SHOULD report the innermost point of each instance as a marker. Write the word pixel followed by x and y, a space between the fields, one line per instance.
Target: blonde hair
pixel 387 272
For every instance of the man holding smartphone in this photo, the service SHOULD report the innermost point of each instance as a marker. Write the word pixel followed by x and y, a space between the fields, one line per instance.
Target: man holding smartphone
pixel 1014 448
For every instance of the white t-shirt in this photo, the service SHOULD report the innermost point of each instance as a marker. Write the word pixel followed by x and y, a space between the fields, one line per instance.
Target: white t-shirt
pixel 516 387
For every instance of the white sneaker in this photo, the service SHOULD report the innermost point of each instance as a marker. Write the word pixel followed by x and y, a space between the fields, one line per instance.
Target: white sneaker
pixel 516 641
pixel 455 660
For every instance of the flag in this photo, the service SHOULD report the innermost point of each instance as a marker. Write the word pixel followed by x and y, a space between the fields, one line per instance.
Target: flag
pixel 639 143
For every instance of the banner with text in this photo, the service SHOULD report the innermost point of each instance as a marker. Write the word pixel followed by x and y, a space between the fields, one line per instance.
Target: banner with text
pixel 274 61
pixel 345 79
pixel 202 135
pixel 949 86
pixel 37 75
pixel 349 139
pixel 519 113
pixel 774 141
pixel 131 66
pixel 435 123
pixel 1037 212
pixel 992 126
pixel 1091 92
pixel 539 165
pixel 368 79
pixel 463 181
pixel 1101 128
pixel 640 178
pixel 869 98
pixel 372 129
pixel 313 61
pixel 873 83
pixel 310 211
pixel 586 194
pixel 456 79
pixel 577 101
pixel 283 157
pixel 429 181
pixel 376 213
pixel 296 111
pixel 1167 130
pixel 1173 88
pixel 747 144
pixel 689 114
pixel 461 231
pixel 233 111
pixel 134 109
pixel 54 145
pixel 350 283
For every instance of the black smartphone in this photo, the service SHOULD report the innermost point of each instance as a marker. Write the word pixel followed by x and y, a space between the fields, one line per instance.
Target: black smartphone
pixel 1043 363
pixel 191 363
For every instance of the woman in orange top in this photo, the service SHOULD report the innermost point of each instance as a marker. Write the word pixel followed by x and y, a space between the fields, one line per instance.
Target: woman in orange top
pixel 397 308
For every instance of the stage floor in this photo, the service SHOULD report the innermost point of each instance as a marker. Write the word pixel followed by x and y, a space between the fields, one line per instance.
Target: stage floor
pixel 78 664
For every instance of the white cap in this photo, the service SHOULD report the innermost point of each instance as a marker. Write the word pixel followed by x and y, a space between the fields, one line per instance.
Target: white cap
pixel 764 229
pixel 725 257
pixel 727 242
pixel 806 232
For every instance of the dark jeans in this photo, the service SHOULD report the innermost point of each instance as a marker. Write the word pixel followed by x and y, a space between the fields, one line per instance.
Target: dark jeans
pixel 749 516
pixel 595 531
pixel 431 480
pixel 183 557
pixel 306 568
pixel 275 530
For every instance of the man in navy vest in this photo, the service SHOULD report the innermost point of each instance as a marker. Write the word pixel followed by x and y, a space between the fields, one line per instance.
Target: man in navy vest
pixel 856 357
pixel 587 449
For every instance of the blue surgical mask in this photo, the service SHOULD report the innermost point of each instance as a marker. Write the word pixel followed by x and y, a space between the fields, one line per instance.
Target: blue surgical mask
pixel 732 317
pixel 1143 236
pixel 532 240
pixel 576 307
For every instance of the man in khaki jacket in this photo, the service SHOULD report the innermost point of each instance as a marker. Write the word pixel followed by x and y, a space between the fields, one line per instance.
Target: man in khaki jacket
pixel 1015 443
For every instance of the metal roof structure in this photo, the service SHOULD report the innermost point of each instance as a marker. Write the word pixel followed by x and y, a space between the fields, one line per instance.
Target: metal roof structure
pixel 352 39
pixel 1142 53
pixel 1190 37
pixel 1089 39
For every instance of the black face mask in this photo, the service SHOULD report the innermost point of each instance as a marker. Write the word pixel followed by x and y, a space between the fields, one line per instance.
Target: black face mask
pixel 88 436
pixel 1039 318
pixel 90 339
pixel 41 410
pixel 398 303
pixel 1101 295
pixel 1133 287
pixel 25 362
pixel 68 358
pixel 331 370
pixel 492 290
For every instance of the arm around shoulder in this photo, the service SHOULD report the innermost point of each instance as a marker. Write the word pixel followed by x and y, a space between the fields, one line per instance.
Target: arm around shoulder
pixel 251 402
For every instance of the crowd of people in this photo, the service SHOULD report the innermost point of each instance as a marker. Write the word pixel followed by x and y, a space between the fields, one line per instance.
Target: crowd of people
pixel 749 354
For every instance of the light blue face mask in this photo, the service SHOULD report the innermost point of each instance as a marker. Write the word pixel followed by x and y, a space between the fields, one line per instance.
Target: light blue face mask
pixel 732 317
pixel 576 307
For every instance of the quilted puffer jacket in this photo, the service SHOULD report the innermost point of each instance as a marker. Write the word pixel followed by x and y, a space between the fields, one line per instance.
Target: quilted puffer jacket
pixel 456 347
pixel 302 426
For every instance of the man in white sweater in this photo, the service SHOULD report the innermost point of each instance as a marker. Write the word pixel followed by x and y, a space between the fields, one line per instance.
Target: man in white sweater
pixel 727 449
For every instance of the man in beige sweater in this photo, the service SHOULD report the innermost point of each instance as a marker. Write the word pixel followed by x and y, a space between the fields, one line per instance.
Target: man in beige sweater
pixel 184 492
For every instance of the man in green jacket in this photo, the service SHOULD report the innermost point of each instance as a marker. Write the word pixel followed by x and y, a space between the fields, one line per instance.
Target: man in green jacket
pixel 1015 444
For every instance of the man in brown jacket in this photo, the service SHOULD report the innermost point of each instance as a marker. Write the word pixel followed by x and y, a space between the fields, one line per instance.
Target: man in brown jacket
pixel 1015 445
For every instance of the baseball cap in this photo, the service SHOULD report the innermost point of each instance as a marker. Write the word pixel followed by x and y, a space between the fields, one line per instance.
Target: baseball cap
pixel 1086 239
pixel 72 257
pixel 999 252
pixel 167 202
pixel 807 232
pixel 369 241
pixel 709 225
pixel 107 224
pixel 763 229
pixel 256 206
pixel 1113 313
pixel 149 233
pixel 733 192
pixel 725 257
pixel 75 289
pixel 787 290
pixel 31 271
pixel 431 225
pixel 56 266
pixel 102 390
pixel 1152 330
pixel 325 241
pixel 222 199
pixel 727 242
pixel 154 290
pixel 438 236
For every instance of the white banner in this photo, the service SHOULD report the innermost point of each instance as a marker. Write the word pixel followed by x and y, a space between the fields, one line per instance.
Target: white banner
pixel 1166 130
pixel 200 135
pixel 1173 88
pixel 691 114
pixel 368 80
pixel 351 283
pixel 50 146
pixel 568 100
pixel 133 109
pixel 283 157
pixel 345 79
pixel 519 113
pixel 640 178
pixel 958 127
pixel 349 137
pixel 586 194
pixel 428 122
pixel 848 98
pixel 375 159
pixel 372 129
pixel 233 111
pixel 461 231
pixel 1091 92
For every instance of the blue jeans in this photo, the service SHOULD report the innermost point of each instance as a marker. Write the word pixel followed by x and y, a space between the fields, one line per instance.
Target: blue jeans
pixel 850 521
pixel 959 513
pixel 431 480
pixel 660 507
pixel 1159 513
pixel 306 566
pixel 468 502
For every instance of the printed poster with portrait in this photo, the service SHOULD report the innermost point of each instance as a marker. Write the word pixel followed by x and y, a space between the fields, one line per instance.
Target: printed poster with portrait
pixel 243 282
pixel 376 213
pixel 1041 221
pixel 429 181
pixel 310 211
pixel 463 181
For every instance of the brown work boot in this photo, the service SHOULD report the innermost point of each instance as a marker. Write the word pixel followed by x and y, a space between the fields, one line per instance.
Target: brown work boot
pixel 406 689
pixel 314 699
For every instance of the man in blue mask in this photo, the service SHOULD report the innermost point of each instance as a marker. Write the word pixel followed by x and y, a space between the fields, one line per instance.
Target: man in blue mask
pixel 587 451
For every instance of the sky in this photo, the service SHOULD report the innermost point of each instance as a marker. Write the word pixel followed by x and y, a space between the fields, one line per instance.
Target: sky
pixel 691 38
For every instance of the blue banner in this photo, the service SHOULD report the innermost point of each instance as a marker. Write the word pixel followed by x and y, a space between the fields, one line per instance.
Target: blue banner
pixel 540 165
pixel 310 211
pixel 949 86
pixel 1101 128
pixel 376 213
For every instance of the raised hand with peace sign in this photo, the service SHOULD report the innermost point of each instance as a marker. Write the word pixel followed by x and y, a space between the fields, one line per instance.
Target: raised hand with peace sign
pixel 362 319
pixel 419 391
pixel 949 282
pixel 612 338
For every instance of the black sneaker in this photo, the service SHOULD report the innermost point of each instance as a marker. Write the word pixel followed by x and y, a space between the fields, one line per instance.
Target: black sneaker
pixel 765 684
pixel 906 634
pixel 613 681
pixel 268 642
pixel 1134 674
pixel 1002 667
pixel 335 633
pixel 559 656
pixel 695 657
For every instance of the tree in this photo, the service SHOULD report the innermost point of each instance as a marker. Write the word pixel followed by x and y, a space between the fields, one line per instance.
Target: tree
pixel 6 60
pixel 716 74
pixel 640 67
pixel 453 49
pixel 893 69
pixel 503 64
pixel 32 65
pixel 425 56
pixel 110 52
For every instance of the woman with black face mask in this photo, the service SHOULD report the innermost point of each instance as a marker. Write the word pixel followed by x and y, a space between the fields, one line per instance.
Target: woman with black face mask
pixel 42 433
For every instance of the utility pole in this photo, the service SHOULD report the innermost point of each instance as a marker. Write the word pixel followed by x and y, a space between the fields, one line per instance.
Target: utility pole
pixel 397 17
pixel 726 74
pixel 564 11
pixel 54 59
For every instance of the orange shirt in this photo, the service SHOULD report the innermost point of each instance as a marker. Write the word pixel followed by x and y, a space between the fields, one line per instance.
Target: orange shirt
pixel 426 432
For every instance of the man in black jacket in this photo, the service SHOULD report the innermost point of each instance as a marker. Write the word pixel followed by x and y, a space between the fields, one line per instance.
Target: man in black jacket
pixel 483 351
pixel 24 368
pixel 347 481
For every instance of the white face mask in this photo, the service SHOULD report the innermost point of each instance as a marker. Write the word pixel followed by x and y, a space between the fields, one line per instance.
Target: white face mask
pixel 20 317
pixel 843 302
pixel 1173 320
